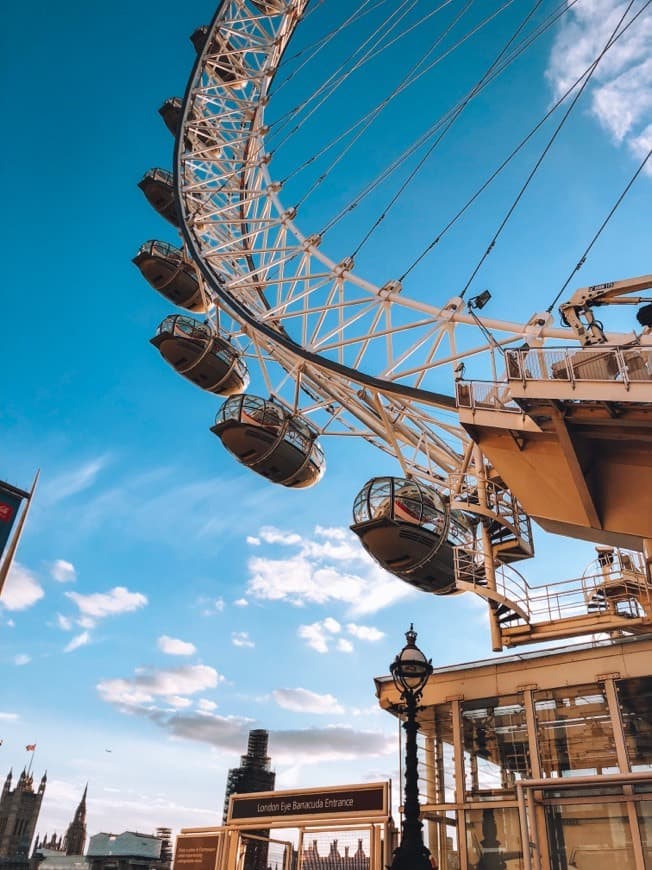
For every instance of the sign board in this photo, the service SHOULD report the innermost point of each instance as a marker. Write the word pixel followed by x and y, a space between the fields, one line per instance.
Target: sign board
pixel 196 851
pixel 10 500
pixel 339 802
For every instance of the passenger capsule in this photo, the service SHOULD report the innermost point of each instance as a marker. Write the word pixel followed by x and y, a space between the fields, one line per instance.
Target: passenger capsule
pixel 409 530
pixel 225 61
pixel 270 7
pixel 170 111
pixel 205 357
pixel 169 272
pixel 158 187
pixel 268 439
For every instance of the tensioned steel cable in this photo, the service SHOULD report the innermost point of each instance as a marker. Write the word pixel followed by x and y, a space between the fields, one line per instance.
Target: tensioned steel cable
pixel 421 140
pixel 476 88
pixel 373 115
pixel 512 154
pixel 337 78
pixel 604 223
pixel 546 150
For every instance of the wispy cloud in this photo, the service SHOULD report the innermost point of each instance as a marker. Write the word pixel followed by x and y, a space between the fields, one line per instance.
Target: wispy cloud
pixel 148 684
pixel 22 589
pixel 77 641
pixel 242 639
pixel 172 646
pixel 63 571
pixel 319 634
pixel 621 86
pixel 98 605
pixel 72 481
pixel 22 659
pixel 9 717
pixel 305 701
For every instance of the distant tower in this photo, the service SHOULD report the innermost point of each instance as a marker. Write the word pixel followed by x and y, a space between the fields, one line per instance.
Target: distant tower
pixel 254 774
pixel 165 836
pixel 19 811
pixel 75 838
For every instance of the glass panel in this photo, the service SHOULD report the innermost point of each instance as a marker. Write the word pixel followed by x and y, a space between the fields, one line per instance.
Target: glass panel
pixel 441 839
pixel 496 749
pixel 494 839
pixel 444 755
pixel 635 699
pixel 589 837
pixel 645 824
pixel 574 732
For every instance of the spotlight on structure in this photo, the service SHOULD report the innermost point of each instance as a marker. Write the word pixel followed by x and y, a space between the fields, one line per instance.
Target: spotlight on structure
pixel 478 302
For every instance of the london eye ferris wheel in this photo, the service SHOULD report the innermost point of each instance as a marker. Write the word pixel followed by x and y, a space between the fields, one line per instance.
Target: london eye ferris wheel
pixel 491 422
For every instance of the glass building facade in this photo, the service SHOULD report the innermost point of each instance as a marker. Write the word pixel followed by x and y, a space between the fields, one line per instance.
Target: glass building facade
pixel 539 761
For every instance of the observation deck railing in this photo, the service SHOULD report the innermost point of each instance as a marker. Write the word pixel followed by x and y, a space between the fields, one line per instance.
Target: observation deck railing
pixel 618 586
pixel 485 395
pixel 500 502
pixel 620 364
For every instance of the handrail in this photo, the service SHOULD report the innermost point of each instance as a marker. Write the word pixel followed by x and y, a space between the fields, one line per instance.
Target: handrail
pixel 601 364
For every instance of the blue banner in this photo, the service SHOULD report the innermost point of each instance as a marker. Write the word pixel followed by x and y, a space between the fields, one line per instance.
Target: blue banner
pixel 9 505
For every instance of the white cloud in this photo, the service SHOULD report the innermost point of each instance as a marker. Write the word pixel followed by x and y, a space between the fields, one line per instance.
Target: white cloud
pixel 344 645
pixel 63 571
pixel 315 574
pixel 241 638
pixel 178 702
pixel 621 86
pixel 317 634
pixel 253 541
pixel 8 717
pixel 73 481
pixel 22 659
pixel 147 685
pixel 175 647
pixel 21 590
pixel 211 606
pixel 77 641
pixel 206 706
pixel 365 632
pixel 64 623
pixel 305 701
pixel 99 605
pixel 241 602
pixel 271 535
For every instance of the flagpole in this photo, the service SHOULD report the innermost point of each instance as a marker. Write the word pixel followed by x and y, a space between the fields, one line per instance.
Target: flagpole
pixel 31 759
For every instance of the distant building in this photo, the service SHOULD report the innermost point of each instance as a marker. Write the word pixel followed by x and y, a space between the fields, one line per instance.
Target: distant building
pixel 75 838
pixel 336 857
pixel 127 851
pixel 19 810
pixel 254 774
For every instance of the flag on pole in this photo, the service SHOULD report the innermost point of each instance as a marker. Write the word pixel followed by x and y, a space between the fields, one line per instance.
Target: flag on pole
pixel 30 747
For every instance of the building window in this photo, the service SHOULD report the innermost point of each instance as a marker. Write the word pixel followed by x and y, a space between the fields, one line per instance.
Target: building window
pixel 493 838
pixel 574 732
pixel 496 749
pixel 635 702
pixel 586 835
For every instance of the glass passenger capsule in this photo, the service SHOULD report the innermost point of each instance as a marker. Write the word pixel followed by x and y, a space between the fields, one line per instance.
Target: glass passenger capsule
pixel 270 7
pixel 170 111
pixel 224 59
pixel 168 271
pixel 158 187
pixel 410 531
pixel 205 357
pixel 268 439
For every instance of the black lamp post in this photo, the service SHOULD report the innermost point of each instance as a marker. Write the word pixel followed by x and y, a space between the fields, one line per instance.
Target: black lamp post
pixel 410 671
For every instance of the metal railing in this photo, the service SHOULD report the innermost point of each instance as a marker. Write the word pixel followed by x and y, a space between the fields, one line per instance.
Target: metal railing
pixel 489 395
pixel 616 585
pixel 620 364
pixel 499 501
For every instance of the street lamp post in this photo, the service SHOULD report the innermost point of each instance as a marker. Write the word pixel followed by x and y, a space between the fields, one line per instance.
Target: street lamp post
pixel 410 671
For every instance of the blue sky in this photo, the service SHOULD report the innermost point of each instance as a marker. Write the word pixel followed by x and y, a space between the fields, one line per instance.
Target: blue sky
pixel 166 600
